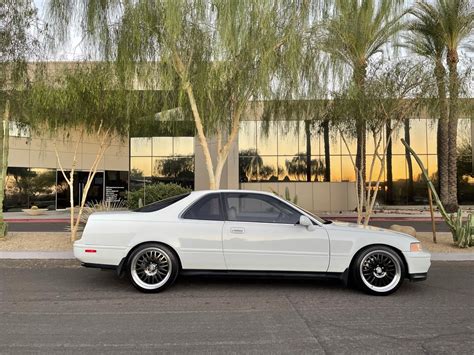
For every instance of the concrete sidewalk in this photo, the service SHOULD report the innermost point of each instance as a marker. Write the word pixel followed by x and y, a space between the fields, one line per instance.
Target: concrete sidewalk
pixel 69 255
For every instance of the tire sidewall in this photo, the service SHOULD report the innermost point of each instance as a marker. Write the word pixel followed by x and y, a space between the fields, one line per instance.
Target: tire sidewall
pixel 175 266
pixel 357 278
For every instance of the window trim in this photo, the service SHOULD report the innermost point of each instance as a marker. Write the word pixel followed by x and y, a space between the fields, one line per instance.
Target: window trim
pixel 221 208
pixel 224 205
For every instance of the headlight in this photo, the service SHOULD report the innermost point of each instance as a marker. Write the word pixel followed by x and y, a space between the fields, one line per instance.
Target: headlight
pixel 416 247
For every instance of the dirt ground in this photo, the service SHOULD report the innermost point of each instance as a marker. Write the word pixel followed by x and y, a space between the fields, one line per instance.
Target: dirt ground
pixel 444 243
pixel 28 241
pixel 54 241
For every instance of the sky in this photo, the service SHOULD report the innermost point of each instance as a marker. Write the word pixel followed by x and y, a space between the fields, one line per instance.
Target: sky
pixel 73 49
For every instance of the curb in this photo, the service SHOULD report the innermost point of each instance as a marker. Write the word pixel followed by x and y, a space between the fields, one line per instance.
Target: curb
pixel 39 220
pixel 452 256
pixel 36 255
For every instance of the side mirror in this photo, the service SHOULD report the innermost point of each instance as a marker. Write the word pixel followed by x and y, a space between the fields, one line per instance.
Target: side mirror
pixel 306 222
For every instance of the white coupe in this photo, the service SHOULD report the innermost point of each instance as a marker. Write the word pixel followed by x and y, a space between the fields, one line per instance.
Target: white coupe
pixel 235 232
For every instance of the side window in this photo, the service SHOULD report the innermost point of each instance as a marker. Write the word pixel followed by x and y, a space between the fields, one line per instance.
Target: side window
pixel 207 208
pixel 259 208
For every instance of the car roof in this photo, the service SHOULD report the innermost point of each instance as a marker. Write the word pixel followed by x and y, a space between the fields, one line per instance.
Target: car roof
pixel 203 192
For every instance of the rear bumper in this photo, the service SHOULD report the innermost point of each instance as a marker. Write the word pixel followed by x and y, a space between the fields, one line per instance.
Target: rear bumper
pixel 91 255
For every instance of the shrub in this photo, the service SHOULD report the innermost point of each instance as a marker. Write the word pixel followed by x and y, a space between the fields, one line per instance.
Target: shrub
pixel 153 193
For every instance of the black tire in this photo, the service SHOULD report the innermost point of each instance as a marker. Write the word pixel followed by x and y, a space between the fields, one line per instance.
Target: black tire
pixel 152 267
pixel 378 270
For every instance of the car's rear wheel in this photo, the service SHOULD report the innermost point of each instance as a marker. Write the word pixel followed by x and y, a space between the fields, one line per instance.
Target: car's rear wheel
pixel 378 270
pixel 152 267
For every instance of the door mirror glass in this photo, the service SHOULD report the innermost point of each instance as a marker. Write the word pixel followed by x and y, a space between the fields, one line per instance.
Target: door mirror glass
pixel 306 222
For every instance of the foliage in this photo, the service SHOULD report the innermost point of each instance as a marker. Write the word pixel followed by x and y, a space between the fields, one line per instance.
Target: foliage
pixel 84 97
pixel 462 229
pixel 102 206
pixel 154 192
pixel 212 55
pixel 392 94
pixel 18 21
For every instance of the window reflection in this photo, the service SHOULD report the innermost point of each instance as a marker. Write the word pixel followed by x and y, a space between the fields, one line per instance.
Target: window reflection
pixel 25 187
pixel 267 143
pixel 183 146
pixel 292 168
pixel 347 169
pixel 140 146
pixel 431 137
pixel 248 135
pixel 336 173
pixel 173 169
pixel 281 154
pixel 418 136
pixel 288 139
pixel 267 169
pixel 163 146
pixel 464 132
pixel 140 168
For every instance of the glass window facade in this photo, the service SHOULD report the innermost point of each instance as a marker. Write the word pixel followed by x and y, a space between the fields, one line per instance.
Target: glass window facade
pixel 294 151
pixel 26 187
pixel 161 159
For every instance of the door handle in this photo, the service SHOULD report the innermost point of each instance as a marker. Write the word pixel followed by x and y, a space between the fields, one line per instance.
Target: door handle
pixel 237 230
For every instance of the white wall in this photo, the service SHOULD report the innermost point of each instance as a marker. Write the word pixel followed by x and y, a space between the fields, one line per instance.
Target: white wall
pixel 313 196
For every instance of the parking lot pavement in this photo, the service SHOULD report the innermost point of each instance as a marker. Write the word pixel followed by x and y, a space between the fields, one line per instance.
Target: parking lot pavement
pixel 58 307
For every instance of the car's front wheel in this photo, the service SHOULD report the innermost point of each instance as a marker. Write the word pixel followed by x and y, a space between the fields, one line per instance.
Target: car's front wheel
pixel 152 267
pixel 378 270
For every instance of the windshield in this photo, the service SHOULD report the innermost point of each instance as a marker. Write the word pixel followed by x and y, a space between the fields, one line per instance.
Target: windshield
pixel 317 218
pixel 159 205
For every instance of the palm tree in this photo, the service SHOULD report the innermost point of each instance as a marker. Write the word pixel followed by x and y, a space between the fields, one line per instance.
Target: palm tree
pixel 424 39
pixel 357 31
pixel 456 19
pixel 437 31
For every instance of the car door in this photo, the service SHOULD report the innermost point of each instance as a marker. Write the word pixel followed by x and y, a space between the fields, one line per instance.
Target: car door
pixel 263 233
pixel 200 234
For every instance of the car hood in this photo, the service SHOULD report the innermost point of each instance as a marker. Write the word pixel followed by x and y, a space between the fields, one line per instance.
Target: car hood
pixel 370 229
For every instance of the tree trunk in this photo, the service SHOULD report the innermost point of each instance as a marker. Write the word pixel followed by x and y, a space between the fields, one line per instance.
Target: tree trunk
pixel 442 135
pixel 361 129
pixel 327 151
pixel 389 193
pixel 360 157
pixel 453 130
pixel 410 190
pixel 4 138
pixel 104 144
pixel 307 129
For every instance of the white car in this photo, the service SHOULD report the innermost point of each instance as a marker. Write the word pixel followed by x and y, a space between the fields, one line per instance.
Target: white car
pixel 245 233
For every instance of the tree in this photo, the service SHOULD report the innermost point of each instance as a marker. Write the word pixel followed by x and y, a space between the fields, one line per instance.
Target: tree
pixel 17 22
pixel 84 100
pixel 355 32
pixel 216 54
pixel 456 18
pixel 392 93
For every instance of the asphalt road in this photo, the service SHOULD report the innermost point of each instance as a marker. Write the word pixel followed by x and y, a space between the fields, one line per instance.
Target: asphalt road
pixel 57 307
pixel 420 226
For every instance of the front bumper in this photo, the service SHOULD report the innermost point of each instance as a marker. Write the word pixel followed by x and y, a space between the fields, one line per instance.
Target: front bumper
pixel 418 265
pixel 418 277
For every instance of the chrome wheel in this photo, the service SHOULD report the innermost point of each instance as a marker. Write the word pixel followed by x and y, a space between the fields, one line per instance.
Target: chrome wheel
pixel 380 271
pixel 151 268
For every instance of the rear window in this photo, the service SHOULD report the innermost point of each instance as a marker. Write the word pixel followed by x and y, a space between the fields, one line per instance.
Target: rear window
pixel 159 205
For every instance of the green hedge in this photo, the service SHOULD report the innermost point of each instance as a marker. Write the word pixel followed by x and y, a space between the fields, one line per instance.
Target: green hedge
pixel 155 192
